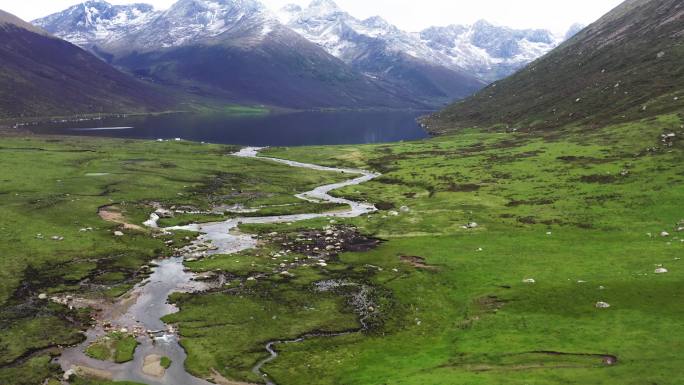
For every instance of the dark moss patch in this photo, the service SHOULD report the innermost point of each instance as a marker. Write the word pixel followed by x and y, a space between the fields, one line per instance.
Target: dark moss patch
pixel 465 187
pixel 599 178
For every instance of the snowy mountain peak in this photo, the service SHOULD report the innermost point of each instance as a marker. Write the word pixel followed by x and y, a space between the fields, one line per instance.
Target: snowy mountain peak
pixel 324 6
pixel 377 22
pixel 95 21
pixel 487 50
pixel 139 26
pixel 203 5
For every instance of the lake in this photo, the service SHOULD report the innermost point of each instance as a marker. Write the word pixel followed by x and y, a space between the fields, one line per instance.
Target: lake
pixel 275 129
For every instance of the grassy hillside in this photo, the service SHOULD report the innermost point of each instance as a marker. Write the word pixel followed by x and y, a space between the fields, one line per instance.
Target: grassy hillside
pixel 41 75
pixel 625 66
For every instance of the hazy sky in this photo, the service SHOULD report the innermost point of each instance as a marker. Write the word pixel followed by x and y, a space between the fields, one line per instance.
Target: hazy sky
pixel 412 15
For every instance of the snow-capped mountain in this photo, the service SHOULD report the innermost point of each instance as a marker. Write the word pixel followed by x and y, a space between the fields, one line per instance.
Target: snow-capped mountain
pixel 234 50
pixel 490 52
pixel 380 50
pixel 351 39
pixel 46 76
pixel 139 26
pixel 96 22
pixel 322 43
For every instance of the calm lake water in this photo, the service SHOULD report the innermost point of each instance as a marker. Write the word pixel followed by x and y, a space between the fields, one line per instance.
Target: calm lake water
pixel 291 129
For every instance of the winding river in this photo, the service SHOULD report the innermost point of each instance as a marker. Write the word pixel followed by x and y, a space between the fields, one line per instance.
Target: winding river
pixel 147 304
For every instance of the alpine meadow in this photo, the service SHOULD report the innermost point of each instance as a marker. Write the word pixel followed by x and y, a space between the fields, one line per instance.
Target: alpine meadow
pixel 223 192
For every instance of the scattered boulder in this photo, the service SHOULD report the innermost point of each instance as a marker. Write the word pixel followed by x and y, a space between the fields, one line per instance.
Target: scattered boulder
pixel 529 280
pixel 404 209
pixel 118 233
pixel 664 234
pixel 42 296
pixel 602 305
pixel 661 270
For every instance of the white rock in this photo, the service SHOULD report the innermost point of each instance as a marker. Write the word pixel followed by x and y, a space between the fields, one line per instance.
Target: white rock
pixel 664 234
pixel 404 209
pixel 118 234
pixel 602 305
pixel 68 374
pixel 661 270
pixel 529 280
pixel 42 296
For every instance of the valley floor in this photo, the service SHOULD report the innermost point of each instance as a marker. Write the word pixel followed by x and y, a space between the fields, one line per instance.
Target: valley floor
pixel 496 251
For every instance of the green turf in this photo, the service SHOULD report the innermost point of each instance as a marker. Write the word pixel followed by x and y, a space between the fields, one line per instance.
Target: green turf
pixel 579 210
pixel 53 186
pixel 556 207
pixel 116 347
pixel 166 362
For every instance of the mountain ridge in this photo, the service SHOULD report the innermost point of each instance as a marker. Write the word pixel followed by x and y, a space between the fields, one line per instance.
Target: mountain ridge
pixel 252 57
pixel 389 67
pixel 625 66
pixel 41 75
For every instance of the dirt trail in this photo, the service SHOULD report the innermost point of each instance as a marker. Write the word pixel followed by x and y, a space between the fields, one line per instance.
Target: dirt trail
pixel 113 214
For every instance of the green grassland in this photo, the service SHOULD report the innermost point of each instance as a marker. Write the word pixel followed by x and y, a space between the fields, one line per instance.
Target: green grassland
pixel 579 210
pixel 116 347
pixel 53 187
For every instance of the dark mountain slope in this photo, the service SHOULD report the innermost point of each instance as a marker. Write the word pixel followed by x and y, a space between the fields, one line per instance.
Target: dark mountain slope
pixel 232 50
pixel 280 69
pixel 41 75
pixel 625 66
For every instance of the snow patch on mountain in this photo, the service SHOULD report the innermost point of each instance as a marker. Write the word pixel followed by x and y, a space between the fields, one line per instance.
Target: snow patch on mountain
pixel 491 52
pixel 487 51
pixel 98 23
